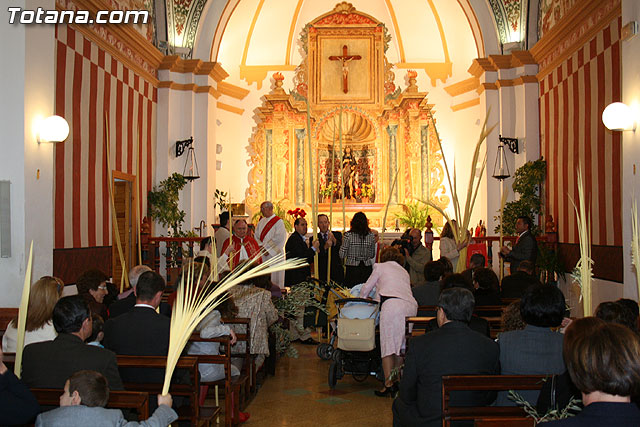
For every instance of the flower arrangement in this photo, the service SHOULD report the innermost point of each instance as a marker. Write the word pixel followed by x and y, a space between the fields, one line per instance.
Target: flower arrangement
pixel 329 189
pixel 366 190
pixel 297 212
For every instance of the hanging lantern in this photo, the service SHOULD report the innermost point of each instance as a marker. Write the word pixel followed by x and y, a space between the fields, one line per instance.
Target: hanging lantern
pixel 190 170
pixel 501 167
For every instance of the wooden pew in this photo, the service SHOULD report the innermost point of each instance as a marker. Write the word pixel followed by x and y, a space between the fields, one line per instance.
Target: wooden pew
pixel 192 412
pixel 6 315
pixel 117 400
pixel 505 422
pixel 452 383
pixel 248 372
pixel 232 385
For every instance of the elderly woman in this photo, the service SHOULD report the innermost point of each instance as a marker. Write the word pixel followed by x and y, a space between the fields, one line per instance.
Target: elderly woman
pixel 394 291
pixel 358 250
pixel 44 295
pixel 92 286
pixel 535 350
pixel 605 366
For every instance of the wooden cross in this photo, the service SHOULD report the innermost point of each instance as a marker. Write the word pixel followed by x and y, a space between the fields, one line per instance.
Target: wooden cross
pixel 345 58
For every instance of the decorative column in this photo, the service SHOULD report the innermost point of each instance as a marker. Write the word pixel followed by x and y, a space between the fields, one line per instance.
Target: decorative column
pixel 301 134
pixel 392 130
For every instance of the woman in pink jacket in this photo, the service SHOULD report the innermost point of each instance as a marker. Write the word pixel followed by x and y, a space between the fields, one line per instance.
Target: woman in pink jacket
pixel 394 292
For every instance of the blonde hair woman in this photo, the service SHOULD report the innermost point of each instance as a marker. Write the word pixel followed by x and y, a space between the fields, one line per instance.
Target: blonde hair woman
pixel 44 295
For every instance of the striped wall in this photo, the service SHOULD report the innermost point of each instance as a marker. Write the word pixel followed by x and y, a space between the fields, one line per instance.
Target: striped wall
pixel 89 84
pixel 572 98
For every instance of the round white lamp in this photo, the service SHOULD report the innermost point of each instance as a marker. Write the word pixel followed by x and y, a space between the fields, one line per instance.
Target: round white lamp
pixel 618 117
pixel 53 129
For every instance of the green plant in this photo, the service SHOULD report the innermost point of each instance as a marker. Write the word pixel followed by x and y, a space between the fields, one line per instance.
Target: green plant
pixel 220 200
pixel 291 306
pixel 551 265
pixel 414 215
pixel 552 414
pixel 329 189
pixel 164 200
pixel 526 182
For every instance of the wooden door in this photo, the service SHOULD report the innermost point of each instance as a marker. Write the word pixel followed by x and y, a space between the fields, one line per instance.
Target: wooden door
pixel 124 201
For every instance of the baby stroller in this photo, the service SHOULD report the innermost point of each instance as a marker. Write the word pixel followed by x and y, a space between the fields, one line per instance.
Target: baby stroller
pixel 358 349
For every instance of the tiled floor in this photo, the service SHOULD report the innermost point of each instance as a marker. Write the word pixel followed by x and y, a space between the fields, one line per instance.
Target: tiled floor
pixel 299 395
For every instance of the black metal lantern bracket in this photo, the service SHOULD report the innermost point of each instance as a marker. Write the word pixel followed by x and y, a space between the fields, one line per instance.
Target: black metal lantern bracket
pixel 182 145
pixel 512 143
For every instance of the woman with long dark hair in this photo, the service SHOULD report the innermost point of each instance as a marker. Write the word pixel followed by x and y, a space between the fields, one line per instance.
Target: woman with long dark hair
pixel 358 251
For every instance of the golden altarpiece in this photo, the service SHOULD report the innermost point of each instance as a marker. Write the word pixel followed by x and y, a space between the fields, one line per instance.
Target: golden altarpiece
pixel 345 73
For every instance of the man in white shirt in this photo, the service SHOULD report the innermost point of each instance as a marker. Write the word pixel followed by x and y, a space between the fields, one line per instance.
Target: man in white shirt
pixel 271 235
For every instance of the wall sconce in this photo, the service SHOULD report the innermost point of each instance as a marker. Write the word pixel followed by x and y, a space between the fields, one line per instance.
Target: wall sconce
pixel 53 129
pixel 618 117
pixel 190 170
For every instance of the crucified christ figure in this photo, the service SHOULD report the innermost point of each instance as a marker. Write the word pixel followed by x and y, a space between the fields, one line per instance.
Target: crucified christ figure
pixel 345 58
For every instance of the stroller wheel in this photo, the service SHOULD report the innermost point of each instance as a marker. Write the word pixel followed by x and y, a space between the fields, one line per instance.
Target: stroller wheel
pixel 333 374
pixel 360 377
pixel 337 355
pixel 324 351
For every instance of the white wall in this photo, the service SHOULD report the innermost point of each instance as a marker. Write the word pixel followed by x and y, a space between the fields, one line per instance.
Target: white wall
pixel 28 51
pixel 630 141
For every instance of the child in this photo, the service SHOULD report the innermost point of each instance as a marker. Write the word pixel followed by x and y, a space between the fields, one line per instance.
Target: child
pixel 97 335
pixel 83 400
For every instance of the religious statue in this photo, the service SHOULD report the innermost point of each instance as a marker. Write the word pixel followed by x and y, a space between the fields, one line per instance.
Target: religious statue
pixel 348 173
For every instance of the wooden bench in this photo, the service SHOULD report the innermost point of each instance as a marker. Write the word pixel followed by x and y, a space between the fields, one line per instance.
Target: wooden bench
pixel 117 400
pixel 451 383
pixel 7 314
pixel 505 422
pixel 192 411
pixel 248 372
pixel 232 385
pixel 416 325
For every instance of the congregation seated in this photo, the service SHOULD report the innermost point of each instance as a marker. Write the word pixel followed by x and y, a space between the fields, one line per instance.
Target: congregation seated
pixel 604 364
pixel 511 319
pixel 127 299
pixel 141 331
pixel 82 403
pixel 535 350
pixel 447 265
pixel 428 293
pixel 92 286
pixel 44 295
pixel 48 364
pixel 17 403
pixel 255 303
pixel 486 287
pixel 475 323
pixel 615 312
pixel 635 310
pixel 475 261
pixel 452 349
pixel 514 285
pixel 97 331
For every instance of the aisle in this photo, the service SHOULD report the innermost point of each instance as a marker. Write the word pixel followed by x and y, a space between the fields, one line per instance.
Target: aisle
pixel 299 396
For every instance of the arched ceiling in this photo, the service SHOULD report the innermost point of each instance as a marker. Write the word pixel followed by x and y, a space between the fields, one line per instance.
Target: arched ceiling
pixel 261 36
pixel 184 17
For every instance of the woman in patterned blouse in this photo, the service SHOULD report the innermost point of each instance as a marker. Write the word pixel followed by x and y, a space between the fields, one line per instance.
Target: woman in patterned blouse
pixel 358 250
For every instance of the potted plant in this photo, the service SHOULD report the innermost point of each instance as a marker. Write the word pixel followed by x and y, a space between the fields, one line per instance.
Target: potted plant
pixel 366 192
pixel 414 215
pixel 328 192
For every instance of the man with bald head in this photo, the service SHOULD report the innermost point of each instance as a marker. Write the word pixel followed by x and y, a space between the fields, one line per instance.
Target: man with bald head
pixel 242 246
pixel 271 236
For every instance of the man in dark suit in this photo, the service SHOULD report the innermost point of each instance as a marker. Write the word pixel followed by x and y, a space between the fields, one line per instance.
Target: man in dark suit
pixel 125 304
pixel 297 247
pixel 428 293
pixel 525 248
pixel 514 285
pixel 452 349
pixel 329 239
pixel 141 331
pixel 48 364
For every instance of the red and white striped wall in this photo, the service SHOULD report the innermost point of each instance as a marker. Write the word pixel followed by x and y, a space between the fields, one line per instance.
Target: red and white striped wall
pixel 572 98
pixel 90 83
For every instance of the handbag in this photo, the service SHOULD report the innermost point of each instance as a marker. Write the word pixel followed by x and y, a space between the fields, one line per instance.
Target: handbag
pixel 356 334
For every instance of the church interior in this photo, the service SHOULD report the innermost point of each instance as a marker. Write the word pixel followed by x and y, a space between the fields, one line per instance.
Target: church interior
pixel 329 107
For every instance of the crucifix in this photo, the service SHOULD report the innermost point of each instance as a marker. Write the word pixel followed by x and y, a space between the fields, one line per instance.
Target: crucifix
pixel 345 58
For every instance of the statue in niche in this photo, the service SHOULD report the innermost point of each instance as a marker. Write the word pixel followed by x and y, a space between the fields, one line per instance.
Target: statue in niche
pixel 349 173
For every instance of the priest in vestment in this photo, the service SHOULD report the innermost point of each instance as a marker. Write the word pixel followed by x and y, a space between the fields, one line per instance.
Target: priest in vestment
pixel 271 235
pixel 242 247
